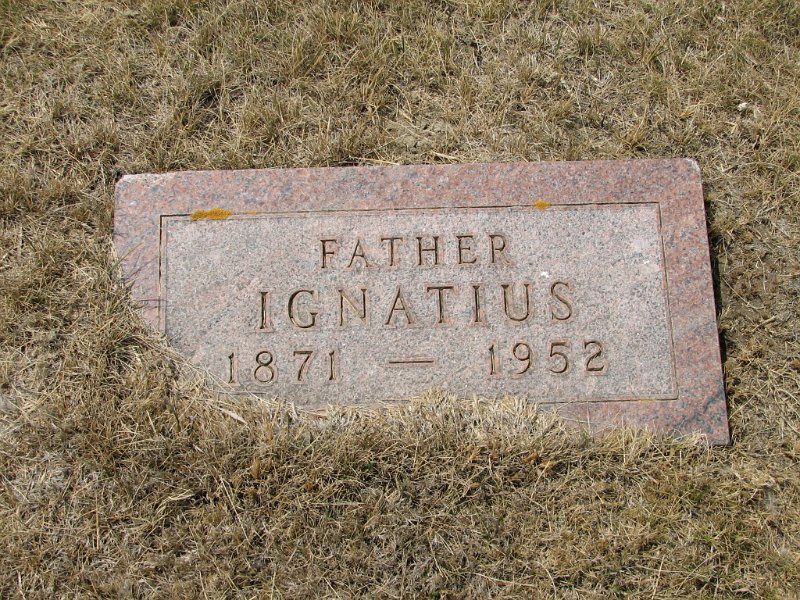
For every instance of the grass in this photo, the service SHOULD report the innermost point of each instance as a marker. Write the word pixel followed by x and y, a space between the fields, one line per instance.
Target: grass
pixel 121 475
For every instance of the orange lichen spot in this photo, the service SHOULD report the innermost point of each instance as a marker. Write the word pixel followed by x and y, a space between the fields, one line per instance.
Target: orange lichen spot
pixel 541 204
pixel 214 214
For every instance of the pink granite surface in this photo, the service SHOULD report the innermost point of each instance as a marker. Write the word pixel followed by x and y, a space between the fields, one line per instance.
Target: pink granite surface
pixel 613 255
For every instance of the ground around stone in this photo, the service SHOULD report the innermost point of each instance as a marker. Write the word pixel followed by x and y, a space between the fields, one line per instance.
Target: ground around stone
pixel 122 475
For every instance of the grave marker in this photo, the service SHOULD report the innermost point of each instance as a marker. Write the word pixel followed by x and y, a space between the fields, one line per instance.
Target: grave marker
pixel 585 286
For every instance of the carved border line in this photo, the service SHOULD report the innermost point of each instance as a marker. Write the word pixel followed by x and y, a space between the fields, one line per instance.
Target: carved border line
pixel 672 396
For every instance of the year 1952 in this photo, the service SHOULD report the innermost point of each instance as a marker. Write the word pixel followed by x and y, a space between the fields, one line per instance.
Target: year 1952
pixel 558 357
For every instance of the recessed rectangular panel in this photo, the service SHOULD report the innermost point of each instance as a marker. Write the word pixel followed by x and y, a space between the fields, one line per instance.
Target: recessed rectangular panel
pixel 556 304
pixel 582 286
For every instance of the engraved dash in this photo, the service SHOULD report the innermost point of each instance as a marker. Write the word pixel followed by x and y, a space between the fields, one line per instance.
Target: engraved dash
pixel 411 361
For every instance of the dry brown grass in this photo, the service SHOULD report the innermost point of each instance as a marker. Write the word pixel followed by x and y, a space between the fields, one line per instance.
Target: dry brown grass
pixel 123 477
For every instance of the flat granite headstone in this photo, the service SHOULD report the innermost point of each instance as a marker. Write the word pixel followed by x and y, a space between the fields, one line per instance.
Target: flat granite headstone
pixel 585 286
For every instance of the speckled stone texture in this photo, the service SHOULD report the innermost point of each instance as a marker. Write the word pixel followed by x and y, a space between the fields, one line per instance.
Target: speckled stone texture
pixel 582 286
